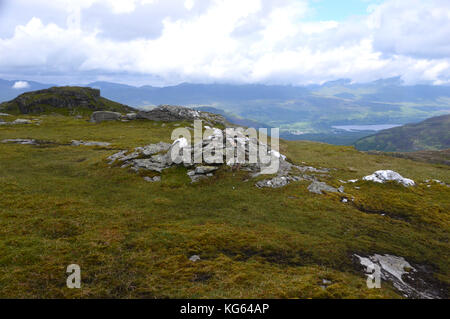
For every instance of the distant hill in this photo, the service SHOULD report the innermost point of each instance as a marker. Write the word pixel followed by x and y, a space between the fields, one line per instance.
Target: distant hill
pixel 431 134
pixel 63 100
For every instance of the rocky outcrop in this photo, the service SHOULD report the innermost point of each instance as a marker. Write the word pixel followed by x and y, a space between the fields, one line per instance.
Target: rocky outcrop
pixel 320 187
pixel 131 116
pixel 62 100
pixel 144 158
pixel 383 176
pixel 413 282
pixel 101 116
pixel 172 113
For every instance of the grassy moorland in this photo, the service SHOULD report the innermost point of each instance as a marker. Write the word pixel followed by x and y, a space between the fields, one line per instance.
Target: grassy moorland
pixel 61 204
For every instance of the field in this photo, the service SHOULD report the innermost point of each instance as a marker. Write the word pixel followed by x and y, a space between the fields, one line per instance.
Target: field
pixel 61 205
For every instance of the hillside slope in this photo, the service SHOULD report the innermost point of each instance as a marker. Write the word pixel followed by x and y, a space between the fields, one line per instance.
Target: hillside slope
pixel 63 204
pixel 63 100
pixel 431 134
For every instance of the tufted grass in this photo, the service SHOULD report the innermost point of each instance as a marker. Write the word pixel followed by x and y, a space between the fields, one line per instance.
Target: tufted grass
pixel 61 205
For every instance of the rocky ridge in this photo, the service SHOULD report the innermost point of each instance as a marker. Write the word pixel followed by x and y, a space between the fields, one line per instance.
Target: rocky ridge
pixel 172 113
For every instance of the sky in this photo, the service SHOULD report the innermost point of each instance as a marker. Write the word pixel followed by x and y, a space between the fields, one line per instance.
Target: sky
pixel 166 42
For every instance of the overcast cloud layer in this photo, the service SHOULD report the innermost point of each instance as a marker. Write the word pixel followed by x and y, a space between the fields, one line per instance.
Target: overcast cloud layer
pixel 253 41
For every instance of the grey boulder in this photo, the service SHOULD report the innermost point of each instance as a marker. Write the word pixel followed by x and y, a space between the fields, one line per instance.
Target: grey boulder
pixel 205 169
pixel 101 116
pixel 21 121
pixel 320 187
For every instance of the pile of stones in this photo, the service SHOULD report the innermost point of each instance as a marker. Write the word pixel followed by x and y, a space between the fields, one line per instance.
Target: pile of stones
pixel 220 147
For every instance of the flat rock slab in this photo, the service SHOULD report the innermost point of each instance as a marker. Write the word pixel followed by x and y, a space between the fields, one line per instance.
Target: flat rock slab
pixel 21 121
pixel 277 182
pixel 21 141
pixel 384 176
pixel 412 281
pixel 205 169
pixel 90 143
pixel 320 187
pixel 101 116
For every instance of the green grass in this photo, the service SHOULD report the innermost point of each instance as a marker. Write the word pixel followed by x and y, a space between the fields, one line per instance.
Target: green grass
pixel 61 205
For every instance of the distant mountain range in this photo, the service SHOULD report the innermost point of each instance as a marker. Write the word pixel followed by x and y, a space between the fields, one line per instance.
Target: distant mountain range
pixel 431 134
pixel 306 112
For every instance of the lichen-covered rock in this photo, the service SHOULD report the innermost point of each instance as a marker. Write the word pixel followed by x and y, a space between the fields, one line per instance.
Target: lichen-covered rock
pixel 101 116
pixel 153 148
pixel 276 182
pixel 205 169
pixel 171 113
pixel 320 187
pixel 383 176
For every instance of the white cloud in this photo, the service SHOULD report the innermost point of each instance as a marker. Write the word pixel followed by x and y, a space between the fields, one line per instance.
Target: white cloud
pixel 19 85
pixel 228 40
pixel 189 4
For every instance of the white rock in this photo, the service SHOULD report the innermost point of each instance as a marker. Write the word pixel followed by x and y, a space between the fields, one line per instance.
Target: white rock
pixel 194 258
pixel 383 176
pixel 21 121
pixel 90 143
pixel 183 142
pixel 131 116
pixel 277 154
pixel 21 141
